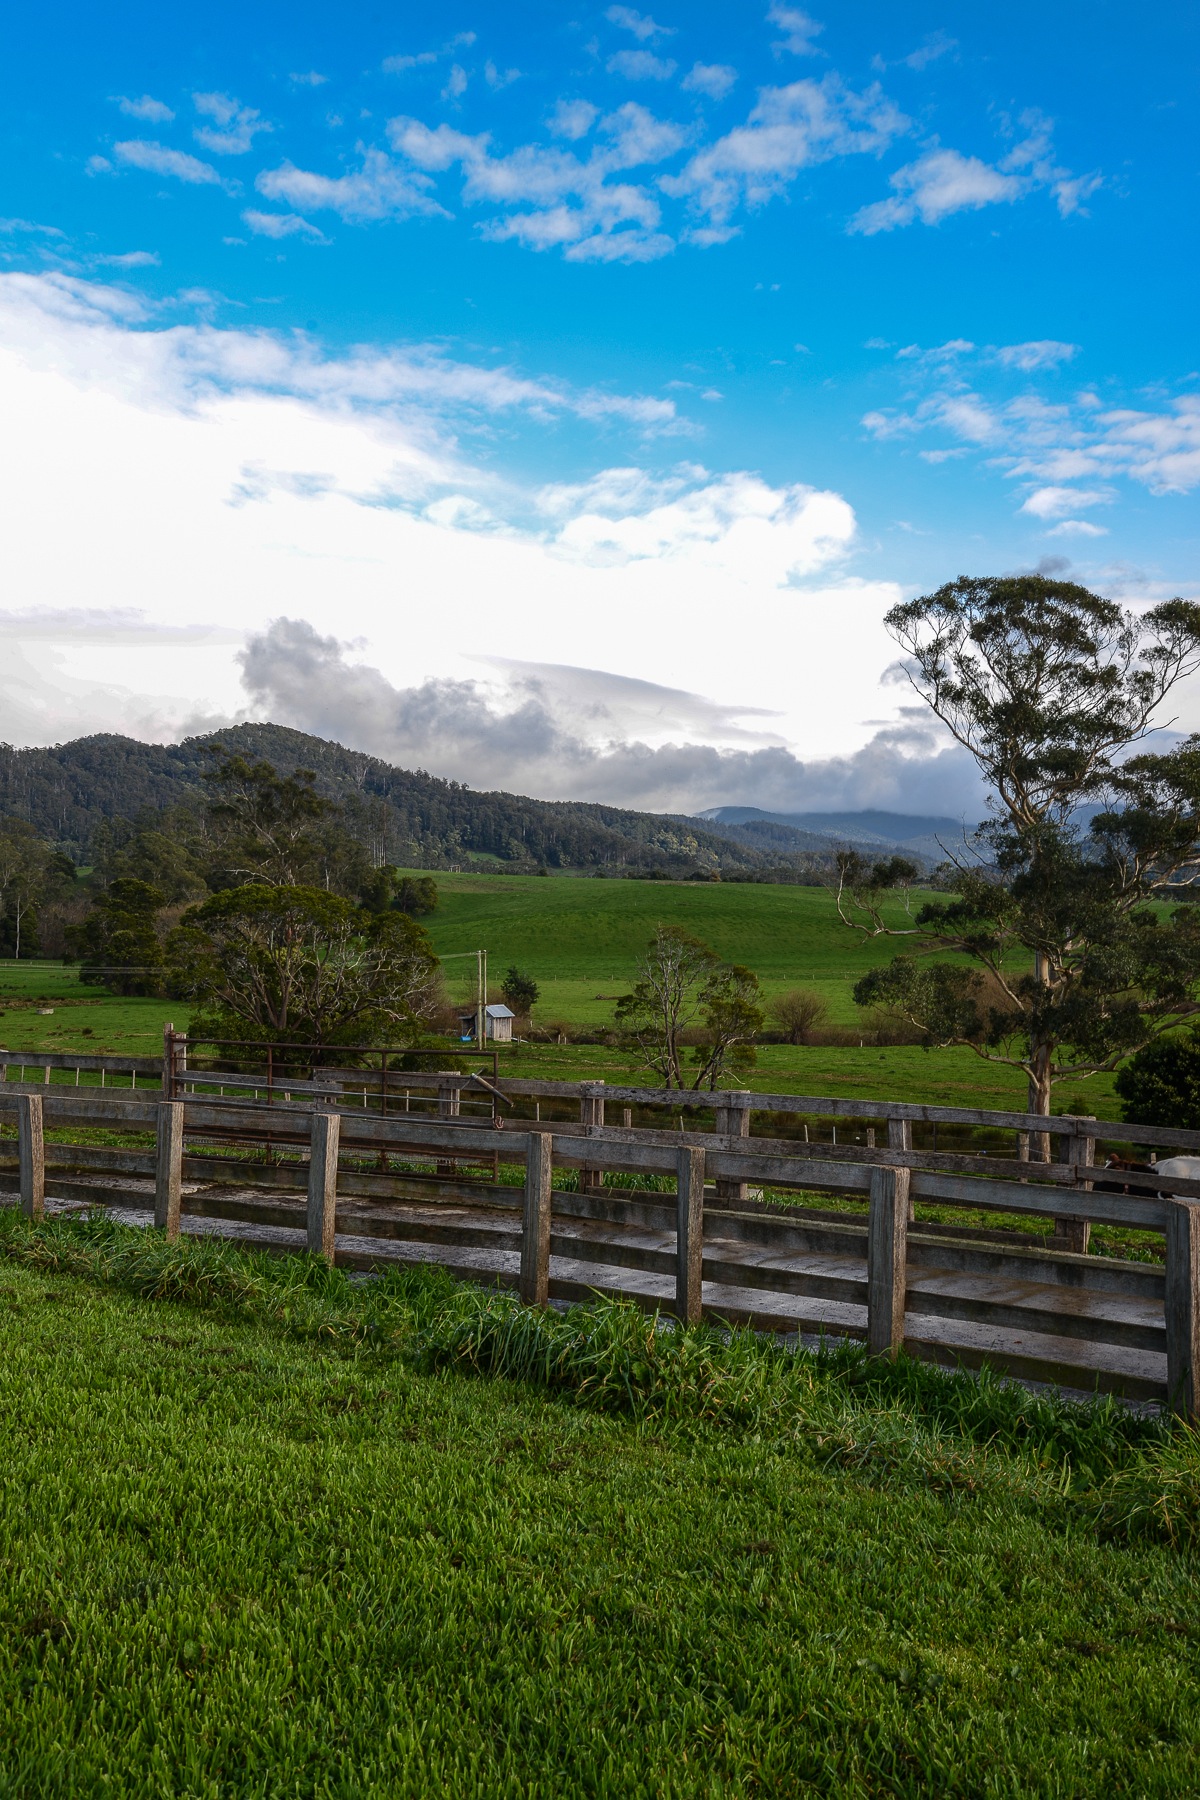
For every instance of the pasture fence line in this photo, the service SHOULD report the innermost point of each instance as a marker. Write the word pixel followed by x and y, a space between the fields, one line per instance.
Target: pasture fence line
pixel 887 1278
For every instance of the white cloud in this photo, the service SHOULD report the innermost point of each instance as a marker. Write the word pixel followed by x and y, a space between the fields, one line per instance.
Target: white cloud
pixel 640 65
pixel 1041 353
pixel 456 83
pixel 642 25
pixel 789 129
pixel 238 125
pixel 1055 502
pixel 157 159
pixel 576 205
pixel 1077 528
pixel 934 47
pixel 939 183
pixel 378 190
pixel 155 112
pixel 573 119
pixel 583 733
pixel 128 259
pixel 255 465
pixel 499 78
pixel 799 29
pixel 310 79
pixel 399 65
pixel 281 225
pixel 713 79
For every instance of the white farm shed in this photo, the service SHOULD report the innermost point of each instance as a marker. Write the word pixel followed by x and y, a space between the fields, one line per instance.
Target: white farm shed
pixel 497 1024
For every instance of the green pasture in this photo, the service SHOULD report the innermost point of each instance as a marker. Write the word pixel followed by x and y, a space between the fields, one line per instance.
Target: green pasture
pixel 267 1532
pixel 580 938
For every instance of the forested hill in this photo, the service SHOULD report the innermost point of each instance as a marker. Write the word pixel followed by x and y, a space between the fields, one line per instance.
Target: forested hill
pixel 412 818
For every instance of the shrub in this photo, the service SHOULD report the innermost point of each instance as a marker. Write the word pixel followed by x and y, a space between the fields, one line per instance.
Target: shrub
pixel 798 1013
pixel 1161 1084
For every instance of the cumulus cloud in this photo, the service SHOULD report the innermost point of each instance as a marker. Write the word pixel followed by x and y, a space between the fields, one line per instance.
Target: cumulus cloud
pixel 789 129
pixel 641 65
pixel 155 112
pixel 573 119
pixel 799 30
pixel 237 125
pixel 1055 502
pixel 578 204
pixel 377 190
pixel 281 225
pixel 943 182
pixel 939 183
pixel 713 79
pixel 158 159
pixel 561 733
pixel 643 27
pixel 365 486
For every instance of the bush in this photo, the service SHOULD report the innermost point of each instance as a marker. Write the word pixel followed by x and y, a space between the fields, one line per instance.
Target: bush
pixel 1161 1084
pixel 798 1013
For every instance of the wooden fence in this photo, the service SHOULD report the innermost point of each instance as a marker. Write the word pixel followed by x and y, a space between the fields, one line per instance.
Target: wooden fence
pixel 450 1167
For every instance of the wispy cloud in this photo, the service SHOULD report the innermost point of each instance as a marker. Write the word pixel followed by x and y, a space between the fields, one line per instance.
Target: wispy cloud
pixel 789 129
pixel 154 112
pixel 1039 353
pixel 643 27
pixel 238 125
pixel 282 225
pixel 1048 442
pixel 798 28
pixel 640 65
pixel 158 159
pixel 944 181
pixel 378 190
pixel 310 79
pixel 577 204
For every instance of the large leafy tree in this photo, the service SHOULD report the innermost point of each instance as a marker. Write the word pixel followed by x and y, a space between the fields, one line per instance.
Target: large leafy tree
pixel 684 988
pixel 1064 965
pixel 300 965
pixel 277 829
pixel 118 944
pixel 31 872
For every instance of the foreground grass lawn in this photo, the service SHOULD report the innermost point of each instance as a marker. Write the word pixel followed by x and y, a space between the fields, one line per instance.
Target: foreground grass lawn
pixel 292 1541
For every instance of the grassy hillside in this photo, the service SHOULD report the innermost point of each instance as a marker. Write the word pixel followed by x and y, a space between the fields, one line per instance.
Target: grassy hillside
pixel 580 939
pixel 307 1536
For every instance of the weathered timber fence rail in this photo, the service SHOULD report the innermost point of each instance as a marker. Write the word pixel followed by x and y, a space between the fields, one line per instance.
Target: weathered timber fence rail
pixel 364 1185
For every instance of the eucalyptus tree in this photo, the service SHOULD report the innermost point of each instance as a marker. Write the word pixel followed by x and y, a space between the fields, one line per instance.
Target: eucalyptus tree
pixel 1063 964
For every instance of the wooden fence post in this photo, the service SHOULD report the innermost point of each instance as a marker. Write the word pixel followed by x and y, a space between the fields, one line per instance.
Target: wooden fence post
pixel 535 1220
pixel 1183 1306
pixel 31 1155
pixel 1069 1233
pixel 900 1138
pixel 733 1120
pixel 689 1235
pixel 322 1184
pixel 887 1248
pixel 168 1168
pixel 591 1112
pixel 449 1106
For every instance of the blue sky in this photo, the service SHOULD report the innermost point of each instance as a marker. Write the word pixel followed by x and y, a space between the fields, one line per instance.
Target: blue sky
pixel 559 397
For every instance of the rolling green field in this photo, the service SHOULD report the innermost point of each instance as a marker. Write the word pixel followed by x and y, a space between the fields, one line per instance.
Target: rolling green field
pixel 268 1532
pixel 580 939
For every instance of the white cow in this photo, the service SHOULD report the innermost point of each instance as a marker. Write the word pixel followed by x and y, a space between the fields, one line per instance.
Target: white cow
pixel 1187 1168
